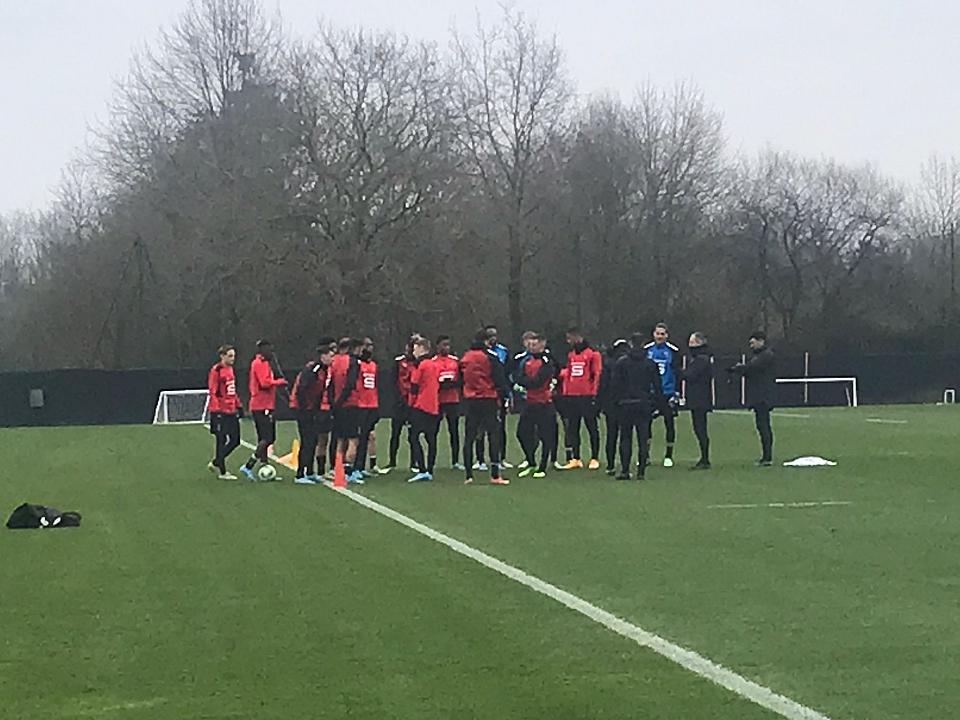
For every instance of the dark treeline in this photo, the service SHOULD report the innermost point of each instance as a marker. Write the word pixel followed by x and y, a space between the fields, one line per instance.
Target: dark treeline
pixel 248 184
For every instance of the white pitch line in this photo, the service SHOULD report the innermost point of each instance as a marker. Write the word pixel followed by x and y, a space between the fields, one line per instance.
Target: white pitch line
pixel 749 506
pixel 776 414
pixel 884 421
pixel 687 659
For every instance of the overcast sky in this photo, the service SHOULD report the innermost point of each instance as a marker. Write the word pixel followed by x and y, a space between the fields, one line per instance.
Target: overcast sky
pixel 857 80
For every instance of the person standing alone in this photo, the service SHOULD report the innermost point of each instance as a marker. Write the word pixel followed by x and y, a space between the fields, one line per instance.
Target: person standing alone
pixel 223 406
pixel 760 374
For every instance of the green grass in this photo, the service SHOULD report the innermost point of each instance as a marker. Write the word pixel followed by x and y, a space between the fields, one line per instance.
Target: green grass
pixel 185 597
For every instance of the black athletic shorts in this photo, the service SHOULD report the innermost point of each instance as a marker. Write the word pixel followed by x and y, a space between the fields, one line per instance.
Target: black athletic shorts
pixel 225 424
pixel 346 422
pixel 324 422
pixel 266 426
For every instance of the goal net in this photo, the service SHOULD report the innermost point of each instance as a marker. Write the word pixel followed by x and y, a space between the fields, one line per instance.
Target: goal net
pixel 818 391
pixel 181 407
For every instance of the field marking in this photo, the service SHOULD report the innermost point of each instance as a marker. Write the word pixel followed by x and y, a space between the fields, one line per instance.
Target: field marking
pixel 809 504
pixel 886 422
pixel 131 705
pixel 775 413
pixel 687 659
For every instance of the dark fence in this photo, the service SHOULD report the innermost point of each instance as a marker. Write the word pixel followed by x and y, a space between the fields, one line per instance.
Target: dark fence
pixel 108 397
pixel 112 397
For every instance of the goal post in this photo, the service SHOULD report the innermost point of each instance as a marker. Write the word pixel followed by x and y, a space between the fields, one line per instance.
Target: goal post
pixel 849 384
pixel 182 407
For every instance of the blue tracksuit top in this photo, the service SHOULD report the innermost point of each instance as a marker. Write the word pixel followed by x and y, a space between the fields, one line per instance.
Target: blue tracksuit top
pixel 663 355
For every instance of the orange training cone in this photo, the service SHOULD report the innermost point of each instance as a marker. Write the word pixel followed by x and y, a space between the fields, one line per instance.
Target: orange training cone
pixel 293 459
pixel 339 476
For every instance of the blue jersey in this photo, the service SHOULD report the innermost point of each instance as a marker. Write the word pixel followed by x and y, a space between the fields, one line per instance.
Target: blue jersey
pixel 519 360
pixel 663 355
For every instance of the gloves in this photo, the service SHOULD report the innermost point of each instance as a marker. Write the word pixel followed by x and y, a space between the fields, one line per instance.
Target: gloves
pixel 518 388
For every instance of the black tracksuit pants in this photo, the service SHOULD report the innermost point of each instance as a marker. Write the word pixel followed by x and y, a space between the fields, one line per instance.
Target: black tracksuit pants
pixel 764 430
pixel 634 418
pixel 482 418
pixel 307 427
pixel 367 424
pixel 427 425
pixel 401 417
pixel 612 419
pixel 699 418
pixel 582 408
pixel 538 427
pixel 451 413
pixel 226 429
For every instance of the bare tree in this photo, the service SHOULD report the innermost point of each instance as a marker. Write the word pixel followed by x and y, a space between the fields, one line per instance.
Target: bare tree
pixel 196 67
pixel 814 223
pixel 934 219
pixel 677 143
pixel 512 97
pixel 374 156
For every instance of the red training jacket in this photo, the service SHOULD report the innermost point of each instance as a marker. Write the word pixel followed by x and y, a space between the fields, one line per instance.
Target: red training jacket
pixel 449 371
pixel 367 392
pixel 222 387
pixel 404 368
pixel 263 386
pixel 476 369
pixel 539 394
pixel 583 373
pixel 309 387
pixel 426 379
pixel 340 370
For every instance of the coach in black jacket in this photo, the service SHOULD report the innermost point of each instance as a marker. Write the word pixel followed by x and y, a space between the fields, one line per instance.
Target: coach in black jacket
pixel 760 372
pixel 698 392
pixel 608 404
pixel 636 389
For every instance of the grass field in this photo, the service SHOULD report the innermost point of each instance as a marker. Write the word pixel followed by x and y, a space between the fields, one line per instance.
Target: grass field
pixel 185 597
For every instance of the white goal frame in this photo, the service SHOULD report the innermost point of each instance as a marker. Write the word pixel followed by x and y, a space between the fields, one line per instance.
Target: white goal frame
pixel 851 382
pixel 161 415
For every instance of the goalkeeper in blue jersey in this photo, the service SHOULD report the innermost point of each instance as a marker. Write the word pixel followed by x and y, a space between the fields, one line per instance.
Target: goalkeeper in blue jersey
pixel 665 354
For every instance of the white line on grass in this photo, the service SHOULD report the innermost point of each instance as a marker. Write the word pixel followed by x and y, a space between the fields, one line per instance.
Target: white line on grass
pixel 884 421
pixel 748 506
pixel 688 659
pixel 776 414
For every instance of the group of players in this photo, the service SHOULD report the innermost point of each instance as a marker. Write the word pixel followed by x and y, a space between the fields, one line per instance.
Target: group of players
pixel 336 401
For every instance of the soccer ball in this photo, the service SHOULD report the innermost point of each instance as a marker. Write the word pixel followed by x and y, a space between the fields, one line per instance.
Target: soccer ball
pixel 267 473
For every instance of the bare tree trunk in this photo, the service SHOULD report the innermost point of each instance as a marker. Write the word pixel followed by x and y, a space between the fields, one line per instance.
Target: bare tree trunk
pixel 514 279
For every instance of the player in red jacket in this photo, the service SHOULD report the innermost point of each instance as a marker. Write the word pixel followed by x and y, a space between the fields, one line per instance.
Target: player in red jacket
pixel 538 426
pixel 346 393
pixel 402 367
pixel 223 406
pixel 424 410
pixel 369 410
pixel 265 378
pixel 484 387
pixel 450 396
pixel 306 399
pixel 580 387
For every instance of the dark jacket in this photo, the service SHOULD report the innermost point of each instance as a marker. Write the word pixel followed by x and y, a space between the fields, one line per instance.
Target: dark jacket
pixel 636 380
pixel 605 400
pixel 760 372
pixel 698 375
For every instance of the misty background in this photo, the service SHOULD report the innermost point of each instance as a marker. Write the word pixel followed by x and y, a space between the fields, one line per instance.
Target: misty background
pixel 250 171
